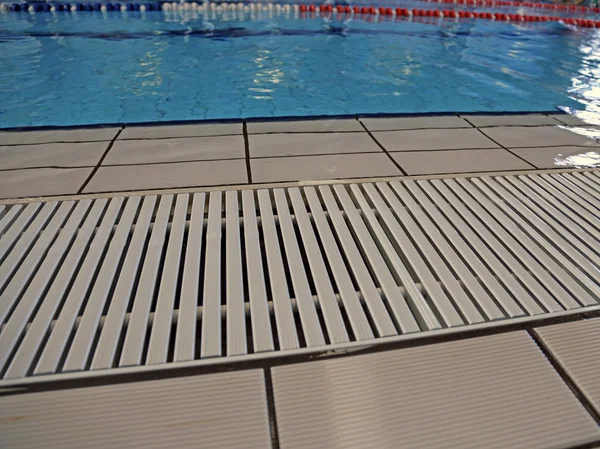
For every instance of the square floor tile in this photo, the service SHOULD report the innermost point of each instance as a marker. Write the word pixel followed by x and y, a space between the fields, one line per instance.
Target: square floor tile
pixel 568 119
pixel 42 181
pixel 52 155
pixel 275 145
pixel 166 176
pixel 433 139
pixel 160 132
pixel 172 150
pixel 516 136
pixel 304 126
pixel 560 157
pixel 71 135
pixel 492 392
pixel 458 161
pixel 510 120
pixel 322 167
pixel 390 124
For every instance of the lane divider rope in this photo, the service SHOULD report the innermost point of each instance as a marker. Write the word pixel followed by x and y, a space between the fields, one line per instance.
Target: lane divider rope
pixel 340 11
pixel 515 4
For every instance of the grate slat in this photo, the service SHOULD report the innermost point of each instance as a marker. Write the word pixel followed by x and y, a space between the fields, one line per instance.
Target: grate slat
pixel 306 308
pixel 162 323
pixel 55 293
pixel 234 283
pixel 262 334
pixel 32 261
pixel 358 320
pixel 105 285
pixel 496 261
pixel 25 242
pixel 42 278
pixel 66 320
pixel 558 221
pixel 210 342
pixel 383 321
pixel 496 212
pixel 333 317
pixel 111 331
pixel 282 304
pixel 421 309
pixel 552 233
pixel 528 264
pixel 567 197
pixel 546 245
pixel 185 335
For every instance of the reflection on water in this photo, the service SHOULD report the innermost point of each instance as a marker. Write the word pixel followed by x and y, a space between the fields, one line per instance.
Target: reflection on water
pixel 73 69
pixel 590 159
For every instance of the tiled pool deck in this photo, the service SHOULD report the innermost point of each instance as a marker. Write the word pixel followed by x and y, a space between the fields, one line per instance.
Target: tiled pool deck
pixel 69 162
pixel 529 387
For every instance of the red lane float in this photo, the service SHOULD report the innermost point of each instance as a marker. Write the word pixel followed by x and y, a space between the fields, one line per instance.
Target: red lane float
pixel 515 4
pixel 445 13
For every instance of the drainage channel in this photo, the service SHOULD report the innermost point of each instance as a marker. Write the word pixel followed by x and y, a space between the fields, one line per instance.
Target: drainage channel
pixel 107 285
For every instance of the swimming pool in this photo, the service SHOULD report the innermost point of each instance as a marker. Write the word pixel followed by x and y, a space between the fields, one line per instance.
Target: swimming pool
pixel 63 68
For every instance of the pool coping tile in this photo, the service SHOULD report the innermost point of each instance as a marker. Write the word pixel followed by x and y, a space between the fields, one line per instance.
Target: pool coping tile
pixel 179 149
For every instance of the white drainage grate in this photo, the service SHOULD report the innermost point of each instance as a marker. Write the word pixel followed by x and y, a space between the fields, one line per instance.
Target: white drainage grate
pixel 98 284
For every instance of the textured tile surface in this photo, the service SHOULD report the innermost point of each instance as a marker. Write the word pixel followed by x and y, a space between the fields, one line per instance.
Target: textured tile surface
pixel 275 145
pixel 560 157
pixel 510 120
pixel 568 119
pixel 78 135
pixel 304 126
pixel 42 181
pixel 158 176
pixel 515 136
pixel 576 346
pixel 155 132
pixel 322 167
pixel 227 410
pixel 52 154
pixel 385 124
pixel 492 392
pixel 458 161
pixel 173 150
pixel 433 139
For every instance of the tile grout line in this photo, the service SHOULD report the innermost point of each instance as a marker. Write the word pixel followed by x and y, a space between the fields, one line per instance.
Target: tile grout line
pixel 247 151
pixel 502 146
pixel 271 409
pixel 276 184
pixel 95 170
pixel 383 149
pixel 564 375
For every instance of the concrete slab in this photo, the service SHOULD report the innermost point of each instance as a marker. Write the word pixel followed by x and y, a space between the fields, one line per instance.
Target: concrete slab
pixel 517 137
pixel 433 139
pixel 42 181
pixel 170 131
pixel 576 347
pixel 166 176
pixel 276 145
pixel 151 414
pixel 174 150
pixel 322 167
pixel 560 157
pixel 492 392
pixel 75 135
pixel 458 161
pixel 52 155
pixel 305 126
pixel 390 124
pixel 510 120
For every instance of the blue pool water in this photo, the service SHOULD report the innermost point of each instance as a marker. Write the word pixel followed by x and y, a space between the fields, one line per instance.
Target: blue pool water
pixel 92 67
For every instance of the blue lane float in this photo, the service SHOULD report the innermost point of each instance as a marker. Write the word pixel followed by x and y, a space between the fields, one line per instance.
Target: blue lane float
pixel 72 7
